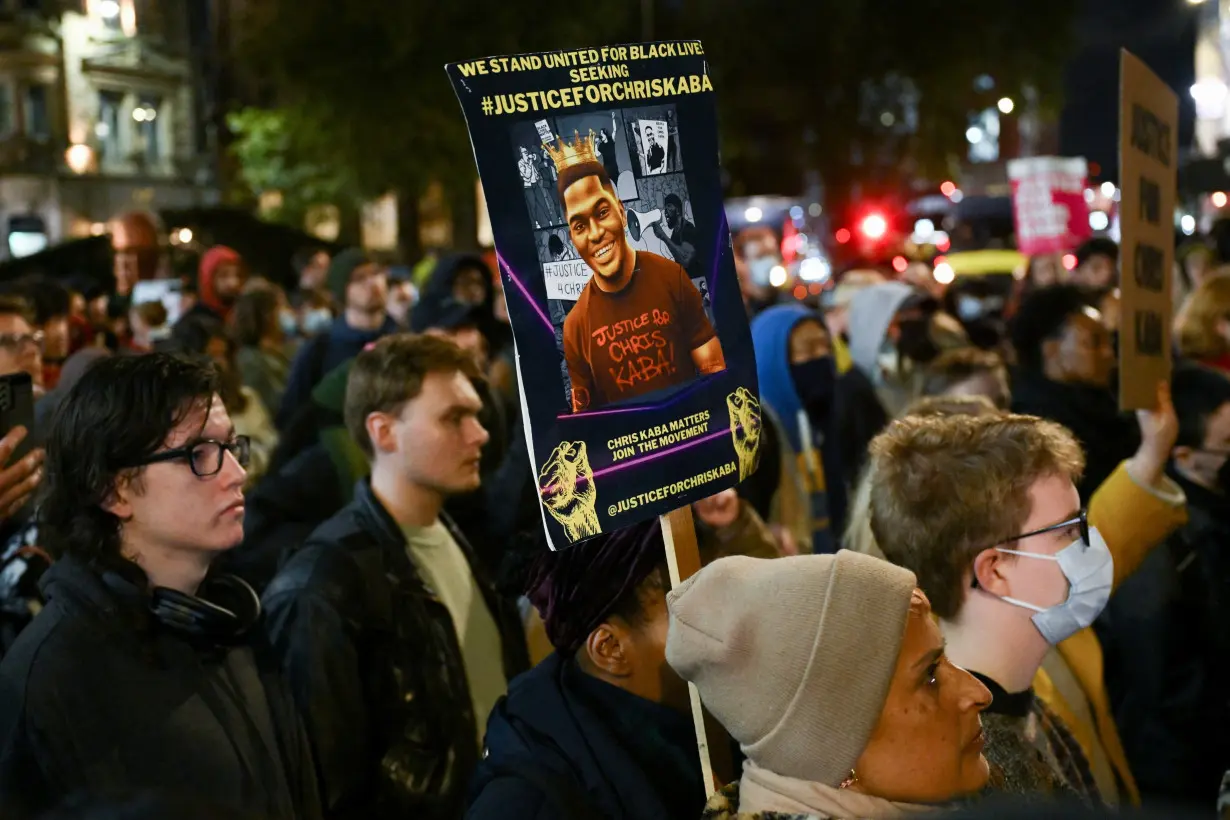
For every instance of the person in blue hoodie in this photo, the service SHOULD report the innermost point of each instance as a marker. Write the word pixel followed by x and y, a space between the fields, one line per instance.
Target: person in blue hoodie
pixel 602 727
pixel 361 288
pixel 801 390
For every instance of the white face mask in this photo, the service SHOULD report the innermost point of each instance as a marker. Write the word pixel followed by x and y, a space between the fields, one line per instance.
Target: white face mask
pixel 1090 571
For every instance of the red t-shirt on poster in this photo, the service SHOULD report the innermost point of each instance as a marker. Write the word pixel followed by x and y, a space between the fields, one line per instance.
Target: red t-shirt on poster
pixel 620 346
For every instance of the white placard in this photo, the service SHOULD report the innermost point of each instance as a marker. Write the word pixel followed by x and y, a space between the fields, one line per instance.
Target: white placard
pixel 566 279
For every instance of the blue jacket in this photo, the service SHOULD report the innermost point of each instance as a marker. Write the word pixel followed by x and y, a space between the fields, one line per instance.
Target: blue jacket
pixel 552 753
pixel 771 337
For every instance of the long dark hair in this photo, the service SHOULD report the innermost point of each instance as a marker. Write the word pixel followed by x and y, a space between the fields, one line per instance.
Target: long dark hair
pixel 120 413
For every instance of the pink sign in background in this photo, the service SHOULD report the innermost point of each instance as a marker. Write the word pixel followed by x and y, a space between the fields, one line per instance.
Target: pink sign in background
pixel 1048 204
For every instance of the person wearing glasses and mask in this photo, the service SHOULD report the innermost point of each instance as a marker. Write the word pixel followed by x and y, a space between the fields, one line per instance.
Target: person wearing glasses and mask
pixel 145 671
pixel 985 510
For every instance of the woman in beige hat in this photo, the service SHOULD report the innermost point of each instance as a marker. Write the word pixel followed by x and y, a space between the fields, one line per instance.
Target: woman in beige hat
pixel 830 673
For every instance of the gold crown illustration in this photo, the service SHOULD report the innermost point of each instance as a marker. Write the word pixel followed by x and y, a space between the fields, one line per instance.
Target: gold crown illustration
pixel 565 156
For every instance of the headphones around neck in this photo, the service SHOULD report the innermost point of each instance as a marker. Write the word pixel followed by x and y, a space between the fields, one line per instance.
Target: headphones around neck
pixel 225 610
pixel 232 610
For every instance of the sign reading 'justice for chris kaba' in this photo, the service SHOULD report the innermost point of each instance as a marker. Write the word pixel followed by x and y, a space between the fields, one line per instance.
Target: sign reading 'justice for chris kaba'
pixel 1148 133
pixel 637 376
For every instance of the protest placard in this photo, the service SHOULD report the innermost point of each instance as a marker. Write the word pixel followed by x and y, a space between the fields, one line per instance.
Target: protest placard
pixel 637 375
pixel 1048 203
pixel 1148 155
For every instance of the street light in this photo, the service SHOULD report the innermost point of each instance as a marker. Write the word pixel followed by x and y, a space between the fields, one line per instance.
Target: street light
pixel 973 135
pixel 1006 105
pixel 79 158
pixel 109 9
pixel 1210 97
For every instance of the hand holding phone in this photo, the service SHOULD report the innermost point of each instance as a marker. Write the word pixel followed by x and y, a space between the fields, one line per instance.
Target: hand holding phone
pixel 18 480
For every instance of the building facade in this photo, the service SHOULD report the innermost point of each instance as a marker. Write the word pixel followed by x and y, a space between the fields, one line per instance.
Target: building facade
pixel 98 116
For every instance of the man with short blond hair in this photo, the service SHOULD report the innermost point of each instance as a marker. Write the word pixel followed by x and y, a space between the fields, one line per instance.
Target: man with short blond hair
pixel 395 642
pixel 984 510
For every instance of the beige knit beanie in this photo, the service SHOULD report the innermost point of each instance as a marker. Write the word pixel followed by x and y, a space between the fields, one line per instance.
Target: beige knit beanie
pixel 793 655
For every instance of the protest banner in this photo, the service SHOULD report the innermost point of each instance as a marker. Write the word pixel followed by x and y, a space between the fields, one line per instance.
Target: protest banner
pixel 637 375
pixel 1148 155
pixel 1048 203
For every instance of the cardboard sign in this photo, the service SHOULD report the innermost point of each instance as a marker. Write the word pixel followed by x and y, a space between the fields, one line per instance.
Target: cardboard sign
pixel 1048 203
pixel 636 367
pixel 1148 161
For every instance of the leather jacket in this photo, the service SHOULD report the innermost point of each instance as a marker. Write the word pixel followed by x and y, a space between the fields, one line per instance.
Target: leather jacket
pixel 376 668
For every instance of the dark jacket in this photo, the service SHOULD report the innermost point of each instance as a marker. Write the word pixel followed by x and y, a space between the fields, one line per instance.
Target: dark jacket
pixel 564 745
pixel 318 356
pixel 1091 413
pixel 376 668
pixel 97 697
pixel 1166 640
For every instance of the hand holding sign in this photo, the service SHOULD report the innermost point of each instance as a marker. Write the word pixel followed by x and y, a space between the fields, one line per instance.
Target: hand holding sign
pixel 1159 430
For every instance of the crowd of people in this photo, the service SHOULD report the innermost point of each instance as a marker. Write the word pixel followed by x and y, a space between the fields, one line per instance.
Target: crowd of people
pixel 278 553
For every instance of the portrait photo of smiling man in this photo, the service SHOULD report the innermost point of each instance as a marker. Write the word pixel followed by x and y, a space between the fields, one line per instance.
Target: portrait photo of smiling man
pixel 639 326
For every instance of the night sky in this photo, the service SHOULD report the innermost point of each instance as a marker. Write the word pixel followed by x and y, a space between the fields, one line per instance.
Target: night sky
pixel 1160 32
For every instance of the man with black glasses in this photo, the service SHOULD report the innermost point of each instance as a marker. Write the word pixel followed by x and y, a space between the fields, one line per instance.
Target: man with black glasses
pixel 144 671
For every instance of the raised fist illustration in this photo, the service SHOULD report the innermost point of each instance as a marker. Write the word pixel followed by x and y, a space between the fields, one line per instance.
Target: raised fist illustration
pixel 566 484
pixel 745 429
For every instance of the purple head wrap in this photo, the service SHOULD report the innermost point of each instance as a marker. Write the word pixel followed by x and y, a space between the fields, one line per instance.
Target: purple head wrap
pixel 575 589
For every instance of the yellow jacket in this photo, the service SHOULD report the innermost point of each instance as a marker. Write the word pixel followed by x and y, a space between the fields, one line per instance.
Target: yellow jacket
pixel 1133 520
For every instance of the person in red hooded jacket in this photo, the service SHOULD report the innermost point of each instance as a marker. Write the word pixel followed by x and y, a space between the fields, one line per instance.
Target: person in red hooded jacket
pixel 220 280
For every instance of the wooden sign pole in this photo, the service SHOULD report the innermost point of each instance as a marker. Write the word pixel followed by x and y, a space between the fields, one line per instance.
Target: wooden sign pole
pixel 712 741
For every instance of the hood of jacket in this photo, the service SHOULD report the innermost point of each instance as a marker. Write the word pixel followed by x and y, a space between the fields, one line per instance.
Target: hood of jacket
pixel 771 339
pixel 210 262
pixel 330 393
pixel 871 313
pixel 439 290
pixel 71 578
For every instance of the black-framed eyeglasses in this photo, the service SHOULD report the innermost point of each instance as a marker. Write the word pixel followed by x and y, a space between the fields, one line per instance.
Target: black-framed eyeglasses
pixel 1081 520
pixel 205 457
